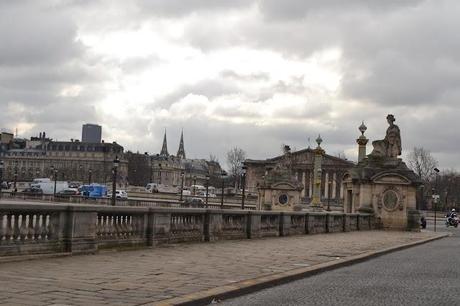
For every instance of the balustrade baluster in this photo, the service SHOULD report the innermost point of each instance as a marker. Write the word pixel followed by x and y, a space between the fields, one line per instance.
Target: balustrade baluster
pixel 43 227
pixel 23 230
pixel 30 227
pixel 116 226
pixel 131 227
pixel 8 229
pixel 16 233
pixel 123 231
pixel 2 227
pixel 37 227
pixel 105 226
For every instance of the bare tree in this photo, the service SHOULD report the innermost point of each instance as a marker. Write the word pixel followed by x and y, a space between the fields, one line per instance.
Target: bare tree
pixel 422 163
pixel 235 159
pixel 213 158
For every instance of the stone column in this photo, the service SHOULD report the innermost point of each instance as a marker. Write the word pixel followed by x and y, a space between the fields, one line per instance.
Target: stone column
pixel 362 142
pixel 310 183
pixel 303 184
pixel 334 185
pixel 317 174
pixel 326 185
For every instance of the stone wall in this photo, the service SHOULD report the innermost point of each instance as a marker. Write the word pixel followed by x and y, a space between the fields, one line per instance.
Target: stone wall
pixel 58 228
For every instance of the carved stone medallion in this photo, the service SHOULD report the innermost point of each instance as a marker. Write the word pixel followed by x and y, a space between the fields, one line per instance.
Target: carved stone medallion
pixel 390 199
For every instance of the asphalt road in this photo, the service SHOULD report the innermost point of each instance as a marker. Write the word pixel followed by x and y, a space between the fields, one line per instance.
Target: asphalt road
pixel 428 274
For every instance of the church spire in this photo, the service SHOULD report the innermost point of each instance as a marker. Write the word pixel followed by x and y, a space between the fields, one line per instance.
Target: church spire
pixel 164 148
pixel 181 151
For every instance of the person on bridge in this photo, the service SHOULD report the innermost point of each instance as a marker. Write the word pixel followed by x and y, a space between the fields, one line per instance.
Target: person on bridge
pixel 452 214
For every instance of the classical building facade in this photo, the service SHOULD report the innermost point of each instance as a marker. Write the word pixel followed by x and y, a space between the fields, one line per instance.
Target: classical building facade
pixel 37 157
pixel 301 165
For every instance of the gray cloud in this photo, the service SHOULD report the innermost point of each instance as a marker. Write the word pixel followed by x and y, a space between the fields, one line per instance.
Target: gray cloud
pixel 397 57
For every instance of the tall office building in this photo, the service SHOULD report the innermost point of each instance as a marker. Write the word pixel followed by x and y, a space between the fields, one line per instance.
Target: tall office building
pixel 91 133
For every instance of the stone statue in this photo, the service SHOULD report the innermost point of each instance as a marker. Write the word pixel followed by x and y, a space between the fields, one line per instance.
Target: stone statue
pixel 390 146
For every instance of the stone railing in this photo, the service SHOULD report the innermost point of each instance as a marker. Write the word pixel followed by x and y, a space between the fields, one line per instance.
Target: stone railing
pixel 137 202
pixel 58 228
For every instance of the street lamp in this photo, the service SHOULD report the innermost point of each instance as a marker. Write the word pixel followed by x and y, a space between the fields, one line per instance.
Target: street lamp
pixel 90 173
pixel 329 182
pixel 223 174
pixel 55 171
pixel 1 177
pixel 15 176
pixel 194 184
pixel 207 189
pixel 244 186
pixel 435 196
pixel 116 162
pixel 181 184
pixel 159 174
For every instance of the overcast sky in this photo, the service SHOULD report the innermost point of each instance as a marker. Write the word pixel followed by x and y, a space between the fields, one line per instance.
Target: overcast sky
pixel 252 74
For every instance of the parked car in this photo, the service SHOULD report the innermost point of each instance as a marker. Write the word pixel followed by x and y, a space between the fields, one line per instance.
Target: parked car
pixel 32 191
pixel 152 187
pixel 120 194
pixel 66 193
pixel 194 202
pixel 185 192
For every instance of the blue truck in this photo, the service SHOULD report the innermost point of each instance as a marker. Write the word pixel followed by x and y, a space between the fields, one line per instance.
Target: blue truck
pixel 94 191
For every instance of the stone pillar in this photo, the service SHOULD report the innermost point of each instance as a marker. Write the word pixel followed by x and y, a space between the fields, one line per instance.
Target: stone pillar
pixel 303 184
pixel 362 142
pixel 341 189
pixel 80 231
pixel 317 174
pixel 161 227
pixel 334 185
pixel 310 183
pixel 326 185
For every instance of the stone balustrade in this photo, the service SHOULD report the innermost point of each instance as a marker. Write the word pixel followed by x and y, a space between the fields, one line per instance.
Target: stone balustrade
pixel 61 228
pixel 137 202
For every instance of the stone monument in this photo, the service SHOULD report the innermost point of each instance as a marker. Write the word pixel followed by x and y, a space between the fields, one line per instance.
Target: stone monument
pixel 317 175
pixel 280 190
pixel 382 184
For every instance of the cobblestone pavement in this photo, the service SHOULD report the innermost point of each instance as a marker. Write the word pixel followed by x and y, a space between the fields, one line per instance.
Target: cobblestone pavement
pixel 141 276
pixel 427 274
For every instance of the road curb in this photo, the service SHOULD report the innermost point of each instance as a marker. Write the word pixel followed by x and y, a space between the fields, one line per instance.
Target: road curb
pixel 8 259
pixel 205 297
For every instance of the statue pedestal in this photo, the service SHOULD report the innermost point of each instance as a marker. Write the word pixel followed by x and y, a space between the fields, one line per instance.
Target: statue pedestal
pixel 281 196
pixel 385 187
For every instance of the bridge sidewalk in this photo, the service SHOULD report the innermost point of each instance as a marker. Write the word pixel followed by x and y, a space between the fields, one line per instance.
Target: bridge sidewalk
pixel 149 276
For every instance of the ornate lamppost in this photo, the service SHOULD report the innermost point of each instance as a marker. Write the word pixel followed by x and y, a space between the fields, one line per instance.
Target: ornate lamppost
pixel 207 189
pixel 55 172
pixel 90 174
pixel 116 162
pixel 15 176
pixel 244 186
pixel 1 177
pixel 159 174
pixel 222 174
pixel 435 196
pixel 182 174
pixel 194 184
